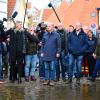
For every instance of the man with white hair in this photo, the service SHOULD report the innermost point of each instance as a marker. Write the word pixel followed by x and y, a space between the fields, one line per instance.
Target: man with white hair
pixel 77 45
pixel 50 52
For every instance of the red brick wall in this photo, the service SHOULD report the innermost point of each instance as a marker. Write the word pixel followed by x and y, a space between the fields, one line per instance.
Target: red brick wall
pixel 11 4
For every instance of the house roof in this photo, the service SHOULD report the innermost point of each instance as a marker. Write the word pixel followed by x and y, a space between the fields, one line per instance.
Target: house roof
pixel 61 10
pixel 46 13
pixel 11 5
pixel 79 10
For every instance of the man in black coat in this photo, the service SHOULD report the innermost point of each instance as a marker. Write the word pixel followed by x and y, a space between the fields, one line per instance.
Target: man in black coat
pixel 17 49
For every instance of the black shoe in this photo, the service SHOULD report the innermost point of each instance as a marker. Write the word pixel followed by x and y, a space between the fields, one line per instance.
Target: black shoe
pixel 19 80
pixel 69 81
pixel 56 80
pixel 89 78
pixel 92 79
pixel 12 81
pixel 78 80
pixel 27 78
pixel 64 79
pixel 33 78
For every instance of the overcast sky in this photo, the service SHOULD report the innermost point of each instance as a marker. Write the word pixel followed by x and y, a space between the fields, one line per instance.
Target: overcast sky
pixel 44 3
pixel 40 3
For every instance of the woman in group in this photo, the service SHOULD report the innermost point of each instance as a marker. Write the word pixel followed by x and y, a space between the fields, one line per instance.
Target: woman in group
pixel 31 58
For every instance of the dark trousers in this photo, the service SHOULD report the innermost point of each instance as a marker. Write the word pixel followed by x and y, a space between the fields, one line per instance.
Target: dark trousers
pixel 61 62
pixel 91 63
pixel 5 63
pixel 96 69
pixel 41 67
pixel 16 66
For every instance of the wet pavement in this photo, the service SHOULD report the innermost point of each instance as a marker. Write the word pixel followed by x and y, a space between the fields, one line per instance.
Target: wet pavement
pixel 86 90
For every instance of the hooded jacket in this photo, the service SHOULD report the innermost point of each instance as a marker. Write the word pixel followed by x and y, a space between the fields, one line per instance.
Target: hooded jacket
pixel 77 44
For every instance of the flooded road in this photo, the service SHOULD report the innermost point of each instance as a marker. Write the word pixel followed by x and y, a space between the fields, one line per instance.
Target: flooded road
pixel 61 91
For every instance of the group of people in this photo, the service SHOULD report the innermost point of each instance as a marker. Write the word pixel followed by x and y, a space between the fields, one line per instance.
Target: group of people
pixel 56 51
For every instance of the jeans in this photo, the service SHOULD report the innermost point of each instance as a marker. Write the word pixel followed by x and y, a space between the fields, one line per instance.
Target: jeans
pixel 57 68
pixel 49 70
pixel 91 62
pixel 0 66
pixel 96 69
pixel 30 60
pixel 72 59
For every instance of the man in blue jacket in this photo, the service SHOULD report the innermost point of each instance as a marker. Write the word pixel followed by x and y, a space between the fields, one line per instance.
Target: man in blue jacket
pixel 50 51
pixel 77 45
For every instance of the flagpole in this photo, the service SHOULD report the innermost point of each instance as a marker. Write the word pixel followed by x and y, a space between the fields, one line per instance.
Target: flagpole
pixel 25 13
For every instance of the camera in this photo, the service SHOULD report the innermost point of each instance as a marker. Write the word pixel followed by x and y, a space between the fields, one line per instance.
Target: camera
pixel 41 27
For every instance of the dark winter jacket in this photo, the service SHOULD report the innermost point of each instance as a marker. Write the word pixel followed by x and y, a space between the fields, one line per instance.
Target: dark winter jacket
pixel 51 44
pixel 17 41
pixel 40 36
pixel 77 44
pixel 91 45
pixel 64 36
pixel 97 50
pixel 3 38
pixel 31 45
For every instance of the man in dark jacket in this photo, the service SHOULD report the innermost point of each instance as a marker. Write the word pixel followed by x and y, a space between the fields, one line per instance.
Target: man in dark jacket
pixel 77 45
pixel 40 30
pixel 64 36
pixel 50 51
pixel 17 49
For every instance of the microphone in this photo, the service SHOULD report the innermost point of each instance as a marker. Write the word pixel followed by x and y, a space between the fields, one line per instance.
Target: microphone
pixel 4 19
pixel 14 14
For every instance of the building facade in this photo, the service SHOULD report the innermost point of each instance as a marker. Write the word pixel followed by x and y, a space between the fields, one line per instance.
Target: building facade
pixel 72 11
pixel 3 9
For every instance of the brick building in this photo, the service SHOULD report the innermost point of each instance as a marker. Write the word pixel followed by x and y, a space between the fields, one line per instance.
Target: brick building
pixel 79 10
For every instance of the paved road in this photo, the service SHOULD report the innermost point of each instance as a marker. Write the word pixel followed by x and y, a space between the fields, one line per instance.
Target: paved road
pixel 61 91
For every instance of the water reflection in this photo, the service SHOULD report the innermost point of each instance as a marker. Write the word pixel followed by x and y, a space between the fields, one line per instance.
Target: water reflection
pixel 36 91
pixel 11 93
